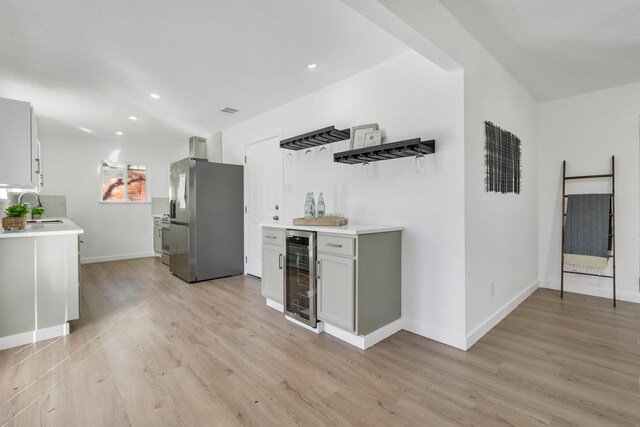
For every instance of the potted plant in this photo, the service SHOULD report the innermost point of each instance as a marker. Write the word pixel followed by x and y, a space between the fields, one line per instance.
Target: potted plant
pixel 36 213
pixel 16 217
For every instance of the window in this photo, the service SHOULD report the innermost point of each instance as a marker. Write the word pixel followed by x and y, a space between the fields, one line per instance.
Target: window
pixel 124 182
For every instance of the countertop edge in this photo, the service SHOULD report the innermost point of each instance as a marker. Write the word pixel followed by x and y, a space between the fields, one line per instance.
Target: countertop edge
pixel 67 227
pixel 349 229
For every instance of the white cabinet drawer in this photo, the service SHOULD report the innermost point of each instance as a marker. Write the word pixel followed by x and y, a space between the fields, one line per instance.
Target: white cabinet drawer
pixel 273 236
pixel 336 245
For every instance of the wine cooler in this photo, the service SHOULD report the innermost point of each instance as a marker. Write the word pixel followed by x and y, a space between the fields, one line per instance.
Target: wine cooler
pixel 300 277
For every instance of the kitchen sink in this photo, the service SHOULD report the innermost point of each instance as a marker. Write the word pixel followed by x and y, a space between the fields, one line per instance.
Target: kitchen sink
pixel 44 221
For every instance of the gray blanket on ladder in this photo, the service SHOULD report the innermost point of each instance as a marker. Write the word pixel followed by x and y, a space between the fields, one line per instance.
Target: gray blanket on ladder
pixel 587 224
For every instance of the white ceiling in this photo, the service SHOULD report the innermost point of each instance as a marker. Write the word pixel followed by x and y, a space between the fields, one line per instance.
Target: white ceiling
pixel 93 63
pixel 558 48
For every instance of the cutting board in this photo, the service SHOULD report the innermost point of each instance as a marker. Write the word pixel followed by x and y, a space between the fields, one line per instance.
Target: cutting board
pixel 326 221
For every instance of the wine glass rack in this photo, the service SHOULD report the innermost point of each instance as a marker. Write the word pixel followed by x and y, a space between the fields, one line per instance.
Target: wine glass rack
pixel 393 150
pixel 317 137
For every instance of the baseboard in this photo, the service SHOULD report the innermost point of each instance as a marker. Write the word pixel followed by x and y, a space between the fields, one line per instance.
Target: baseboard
pixel 275 305
pixel 363 342
pixel 593 291
pixel 52 332
pixel 428 331
pixel 34 336
pixel 16 340
pixel 318 329
pixel 91 260
pixel 346 336
pixel 385 332
pixel 497 317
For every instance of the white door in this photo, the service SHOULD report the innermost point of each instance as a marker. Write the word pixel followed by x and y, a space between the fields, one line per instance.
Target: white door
pixel 262 196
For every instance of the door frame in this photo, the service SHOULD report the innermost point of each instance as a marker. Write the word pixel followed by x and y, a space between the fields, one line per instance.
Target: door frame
pixel 247 226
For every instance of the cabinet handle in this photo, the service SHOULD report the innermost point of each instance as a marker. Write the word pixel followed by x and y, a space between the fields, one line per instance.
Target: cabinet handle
pixel 333 245
pixel 38 170
pixel 318 267
pixel 280 262
pixel 271 237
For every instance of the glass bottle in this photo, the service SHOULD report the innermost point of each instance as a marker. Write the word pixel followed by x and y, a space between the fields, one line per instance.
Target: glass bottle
pixel 321 208
pixel 313 206
pixel 307 206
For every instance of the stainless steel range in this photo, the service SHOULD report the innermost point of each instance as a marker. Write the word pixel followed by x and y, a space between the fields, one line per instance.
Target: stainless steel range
pixel 166 223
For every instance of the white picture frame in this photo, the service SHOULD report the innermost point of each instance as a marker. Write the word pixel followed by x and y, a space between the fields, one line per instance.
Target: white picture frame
pixel 373 138
pixel 357 135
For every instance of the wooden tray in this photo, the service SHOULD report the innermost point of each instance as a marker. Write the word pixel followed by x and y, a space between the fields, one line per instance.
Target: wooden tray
pixel 322 221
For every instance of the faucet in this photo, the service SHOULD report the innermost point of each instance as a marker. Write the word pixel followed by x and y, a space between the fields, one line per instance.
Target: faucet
pixel 26 194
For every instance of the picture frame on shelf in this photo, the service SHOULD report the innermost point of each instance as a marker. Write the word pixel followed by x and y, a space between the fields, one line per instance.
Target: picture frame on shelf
pixel 358 133
pixel 373 138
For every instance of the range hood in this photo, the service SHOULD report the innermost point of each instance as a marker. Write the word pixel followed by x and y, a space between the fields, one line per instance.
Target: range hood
pixel 198 148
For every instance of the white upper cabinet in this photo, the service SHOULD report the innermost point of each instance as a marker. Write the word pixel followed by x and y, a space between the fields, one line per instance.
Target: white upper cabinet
pixel 19 145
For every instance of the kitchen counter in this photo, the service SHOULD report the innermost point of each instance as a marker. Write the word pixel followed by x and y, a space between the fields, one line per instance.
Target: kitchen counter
pixel 44 229
pixel 351 281
pixel 39 282
pixel 349 229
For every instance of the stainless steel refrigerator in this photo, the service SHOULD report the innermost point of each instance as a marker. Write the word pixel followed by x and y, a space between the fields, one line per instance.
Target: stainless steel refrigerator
pixel 206 236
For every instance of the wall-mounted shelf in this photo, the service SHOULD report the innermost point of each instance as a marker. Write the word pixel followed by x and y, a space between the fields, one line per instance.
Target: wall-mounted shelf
pixel 317 137
pixel 393 150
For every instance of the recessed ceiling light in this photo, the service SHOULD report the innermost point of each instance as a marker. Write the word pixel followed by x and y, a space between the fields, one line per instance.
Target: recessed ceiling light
pixel 86 130
pixel 119 133
pixel 133 118
pixel 311 65
pixel 155 96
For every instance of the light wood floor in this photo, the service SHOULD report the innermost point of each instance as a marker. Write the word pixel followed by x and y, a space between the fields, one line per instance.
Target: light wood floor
pixel 151 350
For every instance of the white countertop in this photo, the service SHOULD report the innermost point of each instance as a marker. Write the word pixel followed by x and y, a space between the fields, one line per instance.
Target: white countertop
pixel 352 229
pixel 35 229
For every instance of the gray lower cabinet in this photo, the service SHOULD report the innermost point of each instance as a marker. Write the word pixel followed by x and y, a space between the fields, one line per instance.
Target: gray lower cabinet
pixel 359 280
pixel 272 264
pixel 51 266
pixel 39 283
pixel 57 280
pixel 336 298
pixel 17 290
pixel 157 235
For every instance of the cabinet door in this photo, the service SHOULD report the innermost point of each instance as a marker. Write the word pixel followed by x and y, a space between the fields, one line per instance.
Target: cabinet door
pixel 53 275
pixel 15 143
pixel 336 290
pixel 157 239
pixel 35 152
pixel 17 286
pixel 273 272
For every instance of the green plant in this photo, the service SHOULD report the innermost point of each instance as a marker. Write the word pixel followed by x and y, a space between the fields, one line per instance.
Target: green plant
pixel 17 211
pixel 37 211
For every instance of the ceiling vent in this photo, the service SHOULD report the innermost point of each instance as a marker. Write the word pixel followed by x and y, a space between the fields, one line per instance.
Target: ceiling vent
pixel 228 110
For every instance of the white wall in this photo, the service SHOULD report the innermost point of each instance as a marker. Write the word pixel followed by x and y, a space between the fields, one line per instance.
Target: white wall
pixel 408 97
pixel 501 229
pixel 501 237
pixel 586 131
pixel 112 231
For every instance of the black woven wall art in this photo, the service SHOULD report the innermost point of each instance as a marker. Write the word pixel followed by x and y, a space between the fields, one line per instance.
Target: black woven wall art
pixel 502 160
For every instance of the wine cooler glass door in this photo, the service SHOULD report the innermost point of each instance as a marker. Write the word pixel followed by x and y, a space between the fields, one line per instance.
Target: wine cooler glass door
pixel 300 279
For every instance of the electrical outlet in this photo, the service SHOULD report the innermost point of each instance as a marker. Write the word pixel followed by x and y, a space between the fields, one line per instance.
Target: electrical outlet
pixel 492 289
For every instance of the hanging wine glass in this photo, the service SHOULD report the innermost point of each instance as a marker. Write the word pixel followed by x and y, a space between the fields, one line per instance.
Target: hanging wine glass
pixel 420 161
pixel 308 155
pixel 323 153
pixel 290 158
pixel 366 171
